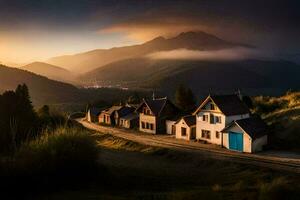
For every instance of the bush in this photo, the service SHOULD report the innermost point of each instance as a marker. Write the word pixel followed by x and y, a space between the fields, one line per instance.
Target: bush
pixel 60 159
pixel 278 188
pixel 64 152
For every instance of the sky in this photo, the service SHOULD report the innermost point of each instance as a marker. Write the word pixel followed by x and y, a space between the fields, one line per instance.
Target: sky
pixel 33 30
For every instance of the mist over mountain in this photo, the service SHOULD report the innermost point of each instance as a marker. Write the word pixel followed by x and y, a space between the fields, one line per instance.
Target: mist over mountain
pixel 88 61
pixel 50 71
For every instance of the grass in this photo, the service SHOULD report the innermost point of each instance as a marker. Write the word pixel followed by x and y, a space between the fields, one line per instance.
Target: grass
pixel 283 116
pixel 58 159
pixel 112 142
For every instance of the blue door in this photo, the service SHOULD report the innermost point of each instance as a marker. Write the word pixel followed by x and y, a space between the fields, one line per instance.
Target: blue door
pixel 236 141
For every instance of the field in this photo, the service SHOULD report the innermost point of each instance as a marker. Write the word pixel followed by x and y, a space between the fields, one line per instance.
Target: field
pixel 135 171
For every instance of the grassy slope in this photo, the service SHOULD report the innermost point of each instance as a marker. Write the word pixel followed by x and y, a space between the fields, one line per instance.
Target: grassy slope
pixel 283 115
pixel 136 171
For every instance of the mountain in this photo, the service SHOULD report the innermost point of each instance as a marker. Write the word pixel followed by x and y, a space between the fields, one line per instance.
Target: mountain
pixel 88 61
pixel 256 76
pixel 50 71
pixel 42 89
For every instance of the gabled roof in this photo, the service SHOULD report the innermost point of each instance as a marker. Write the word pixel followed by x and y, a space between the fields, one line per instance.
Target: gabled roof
pixel 155 105
pixel 125 110
pixel 255 127
pixel 228 104
pixel 190 120
pixel 112 109
pixel 130 116
pixel 95 111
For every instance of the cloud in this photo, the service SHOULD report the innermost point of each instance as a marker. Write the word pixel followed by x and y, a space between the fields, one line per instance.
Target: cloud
pixel 216 55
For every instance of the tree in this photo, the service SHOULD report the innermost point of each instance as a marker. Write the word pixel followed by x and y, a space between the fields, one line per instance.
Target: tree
pixel 184 98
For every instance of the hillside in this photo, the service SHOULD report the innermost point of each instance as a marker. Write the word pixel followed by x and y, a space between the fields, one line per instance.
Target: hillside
pixel 257 77
pixel 50 71
pixel 283 115
pixel 88 61
pixel 42 89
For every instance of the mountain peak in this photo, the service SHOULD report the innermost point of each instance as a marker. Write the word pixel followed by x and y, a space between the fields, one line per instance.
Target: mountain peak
pixel 195 35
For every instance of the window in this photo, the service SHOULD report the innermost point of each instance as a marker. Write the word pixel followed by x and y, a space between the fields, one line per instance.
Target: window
pixel 173 129
pixel 218 119
pixel 183 131
pixel 212 106
pixel 146 111
pixel 151 126
pixel 205 134
pixel 212 118
pixel 217 134
pixel 147 125
pixel 143 124
pixel 107 118
pixel 205 118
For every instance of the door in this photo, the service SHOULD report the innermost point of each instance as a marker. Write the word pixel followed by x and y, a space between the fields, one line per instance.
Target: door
pixel 236 141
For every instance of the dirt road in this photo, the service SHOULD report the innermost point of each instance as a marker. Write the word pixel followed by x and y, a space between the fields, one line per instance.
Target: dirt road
pixel 288 163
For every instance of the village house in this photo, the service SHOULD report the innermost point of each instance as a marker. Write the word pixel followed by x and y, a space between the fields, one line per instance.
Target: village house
pixel 107 116
pixel 245 135
pixel 123 112
pixel 215 113
pixel 130 121
pixel 92 114
pixel 153 114
pixel 186 128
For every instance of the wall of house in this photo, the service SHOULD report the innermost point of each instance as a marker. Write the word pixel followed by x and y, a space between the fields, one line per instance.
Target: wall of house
pixel 206 125
pixel 214 127
pixel 169 124
pixel 181 124
pixel 89 116
pixel 258 143
pixel 147 119
pixel 247 140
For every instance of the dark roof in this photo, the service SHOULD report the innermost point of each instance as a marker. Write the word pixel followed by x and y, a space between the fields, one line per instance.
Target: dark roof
pixel 130 116
pixel 155 105
pixel 253 126
pixel 95 111
pixel 112 109
pixel 190 120
pixel 230 104
pixel 125 110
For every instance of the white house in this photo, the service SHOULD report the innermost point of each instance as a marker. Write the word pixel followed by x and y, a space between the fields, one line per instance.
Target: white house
pixel 215 113
pixel 186 128
pixel 245 135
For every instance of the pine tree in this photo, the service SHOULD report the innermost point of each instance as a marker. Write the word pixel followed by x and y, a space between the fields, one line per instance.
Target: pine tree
pixel 184 98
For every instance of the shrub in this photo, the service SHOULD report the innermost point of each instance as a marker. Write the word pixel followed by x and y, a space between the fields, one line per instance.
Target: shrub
pixel 63 152
pixel 278 188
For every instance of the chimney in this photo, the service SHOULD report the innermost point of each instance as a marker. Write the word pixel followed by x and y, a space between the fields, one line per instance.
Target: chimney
pixel 240 95
pixel 153 96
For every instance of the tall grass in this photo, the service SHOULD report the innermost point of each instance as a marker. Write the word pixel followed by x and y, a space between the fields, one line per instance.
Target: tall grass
pixel 60 158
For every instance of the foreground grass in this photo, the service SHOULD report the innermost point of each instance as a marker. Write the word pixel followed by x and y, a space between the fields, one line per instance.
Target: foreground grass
pixel 137 171
pixel 55 160
pixel 75 163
